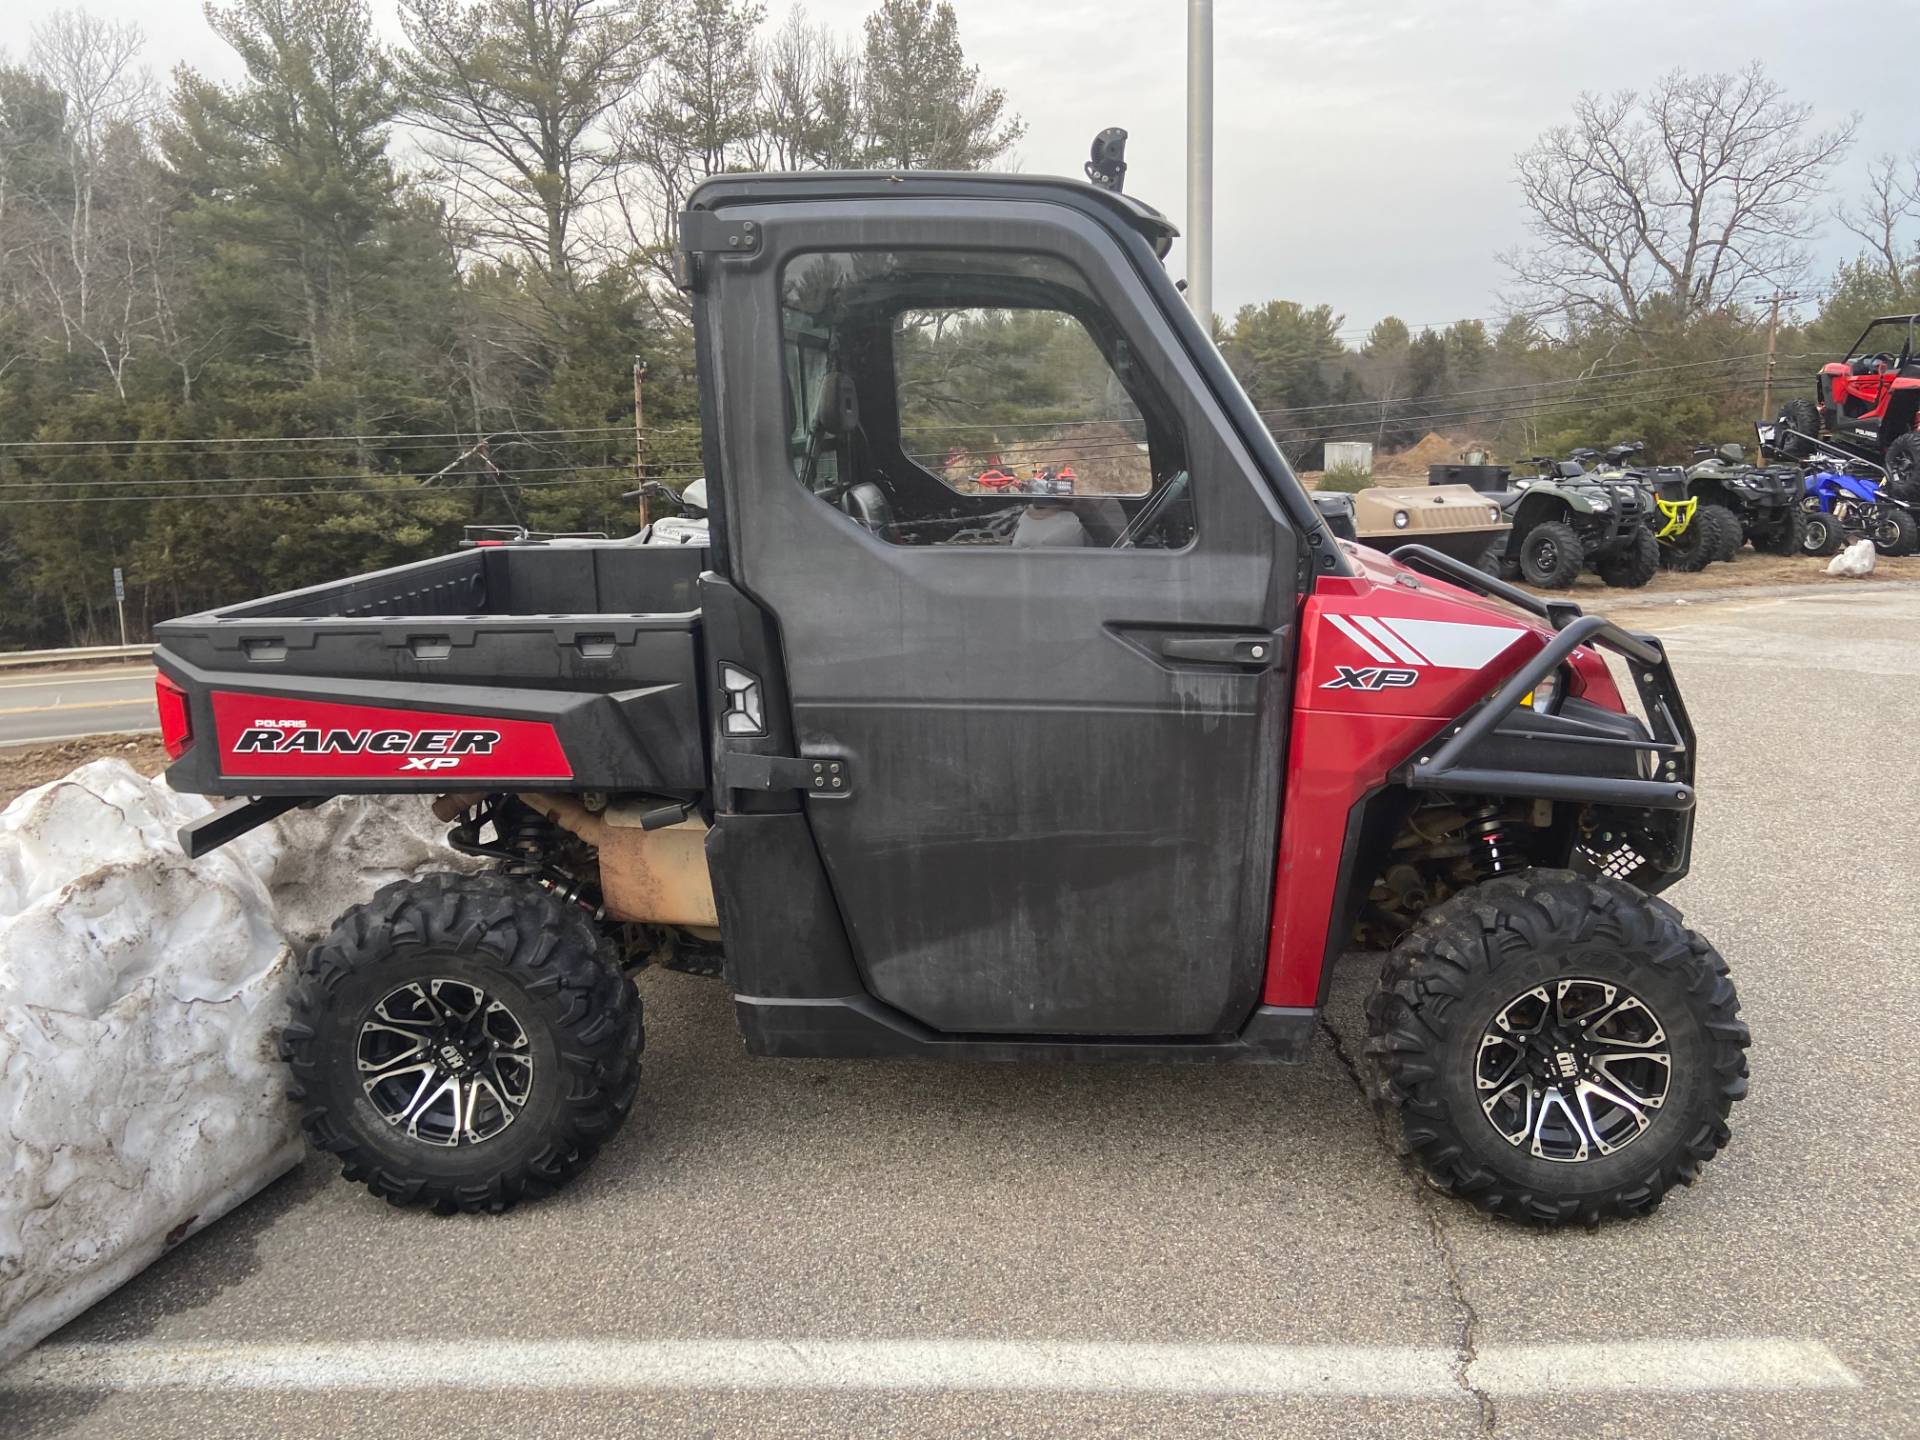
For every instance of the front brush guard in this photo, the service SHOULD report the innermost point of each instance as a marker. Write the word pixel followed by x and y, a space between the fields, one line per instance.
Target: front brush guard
pixel 1445 764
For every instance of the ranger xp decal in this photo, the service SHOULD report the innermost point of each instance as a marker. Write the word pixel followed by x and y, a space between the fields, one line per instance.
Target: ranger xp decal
pixel 319 739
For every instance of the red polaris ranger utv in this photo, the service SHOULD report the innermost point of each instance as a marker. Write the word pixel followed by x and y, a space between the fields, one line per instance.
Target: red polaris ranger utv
pixel 929 773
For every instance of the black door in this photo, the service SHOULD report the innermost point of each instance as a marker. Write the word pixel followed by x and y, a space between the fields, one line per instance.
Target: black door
pixel 1032 595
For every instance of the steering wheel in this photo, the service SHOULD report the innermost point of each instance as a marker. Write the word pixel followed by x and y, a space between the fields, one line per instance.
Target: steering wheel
pixel 1883 362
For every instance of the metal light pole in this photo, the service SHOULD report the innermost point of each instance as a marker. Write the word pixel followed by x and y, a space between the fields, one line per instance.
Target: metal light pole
pixel 1200 159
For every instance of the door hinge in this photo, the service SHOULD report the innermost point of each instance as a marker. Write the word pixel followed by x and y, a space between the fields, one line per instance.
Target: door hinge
pixel 824 775
pixel 704 233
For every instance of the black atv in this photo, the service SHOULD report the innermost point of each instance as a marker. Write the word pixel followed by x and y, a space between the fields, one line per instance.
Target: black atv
pixel 1765 500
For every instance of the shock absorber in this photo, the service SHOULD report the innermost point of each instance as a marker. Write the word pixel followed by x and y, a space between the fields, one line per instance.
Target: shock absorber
pixel 1488 831
pixel 528 836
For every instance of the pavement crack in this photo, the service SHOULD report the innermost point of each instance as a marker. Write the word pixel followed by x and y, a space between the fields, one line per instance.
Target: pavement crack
pixel 1466 1345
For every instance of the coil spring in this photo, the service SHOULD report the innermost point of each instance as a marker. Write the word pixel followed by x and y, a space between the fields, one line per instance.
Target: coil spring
pixel 529 836
pixel 1487 830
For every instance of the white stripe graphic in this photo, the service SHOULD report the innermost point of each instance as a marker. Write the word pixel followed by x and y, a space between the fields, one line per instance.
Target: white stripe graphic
pixel 1402 651
pixel 1397 1371
pixel 1455 646
pixel 1347 628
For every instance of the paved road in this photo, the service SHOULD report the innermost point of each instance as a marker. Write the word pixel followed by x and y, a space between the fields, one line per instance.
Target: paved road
pixel 61 705
pixel 846 1207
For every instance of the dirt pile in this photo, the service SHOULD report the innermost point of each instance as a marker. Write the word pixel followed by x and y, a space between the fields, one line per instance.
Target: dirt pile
pixel 1432 449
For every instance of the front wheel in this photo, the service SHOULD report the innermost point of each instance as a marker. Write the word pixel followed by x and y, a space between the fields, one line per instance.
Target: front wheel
pixel 1551 555
pixel 1558 1048
pixel 461 1042
pixel 1823 534
pixel 1787 535
pixel 1633 562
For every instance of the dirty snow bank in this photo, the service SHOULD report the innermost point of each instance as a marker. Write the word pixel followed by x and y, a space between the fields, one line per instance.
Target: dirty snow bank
pixel 139 993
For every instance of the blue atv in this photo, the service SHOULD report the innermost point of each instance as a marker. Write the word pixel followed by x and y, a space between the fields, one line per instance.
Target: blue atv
pixel 1841 506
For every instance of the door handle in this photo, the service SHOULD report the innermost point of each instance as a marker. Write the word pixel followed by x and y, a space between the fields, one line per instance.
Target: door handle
pixel 1247 652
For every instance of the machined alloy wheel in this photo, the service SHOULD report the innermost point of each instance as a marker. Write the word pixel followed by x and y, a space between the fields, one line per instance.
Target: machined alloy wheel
pixel 462 1042
pixel 445 1061
pixel 1557 1047
pixel 1574 1070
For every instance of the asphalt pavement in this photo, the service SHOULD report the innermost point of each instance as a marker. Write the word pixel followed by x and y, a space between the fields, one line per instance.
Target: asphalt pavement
pixel 59 705
pixel 866 1249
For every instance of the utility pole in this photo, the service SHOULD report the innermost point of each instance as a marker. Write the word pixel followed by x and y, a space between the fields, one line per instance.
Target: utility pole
pixel 1773 338
pixel 639 439
pixel 1200 160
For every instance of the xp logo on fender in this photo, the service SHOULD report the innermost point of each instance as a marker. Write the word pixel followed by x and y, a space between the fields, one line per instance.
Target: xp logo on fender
pixel 1346 677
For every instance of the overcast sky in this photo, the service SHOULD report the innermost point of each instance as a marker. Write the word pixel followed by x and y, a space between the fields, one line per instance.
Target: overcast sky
pixel 1363 148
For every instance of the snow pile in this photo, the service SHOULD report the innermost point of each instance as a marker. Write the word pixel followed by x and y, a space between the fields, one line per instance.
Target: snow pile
pixel 140 1097
pixel 1855 562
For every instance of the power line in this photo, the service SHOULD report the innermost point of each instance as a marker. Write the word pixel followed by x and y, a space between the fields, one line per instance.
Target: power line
pixel 370 440
pixel 409 493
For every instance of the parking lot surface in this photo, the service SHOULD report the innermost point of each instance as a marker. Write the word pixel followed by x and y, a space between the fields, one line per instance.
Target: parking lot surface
pixel 839 1248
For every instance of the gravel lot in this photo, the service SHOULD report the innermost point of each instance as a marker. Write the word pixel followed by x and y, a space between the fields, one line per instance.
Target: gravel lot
pixel 858 1204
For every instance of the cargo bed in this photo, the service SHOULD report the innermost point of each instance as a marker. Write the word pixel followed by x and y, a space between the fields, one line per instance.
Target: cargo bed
pixel 563 666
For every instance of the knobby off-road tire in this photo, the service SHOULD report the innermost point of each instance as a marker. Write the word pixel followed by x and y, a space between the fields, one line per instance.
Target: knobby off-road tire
pixel 1633 563
pixel 505 985
pixel 1788 535
pixel 1723 530
pixel 1802 416
pixel 1551 556
pixel 1898 534
pixel 1903 467
pixel 1693 548
pixel 1493 561
pixel 1821 535
pixel 1438 1046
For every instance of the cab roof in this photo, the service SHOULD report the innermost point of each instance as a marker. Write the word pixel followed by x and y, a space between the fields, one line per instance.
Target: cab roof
pixel 723 190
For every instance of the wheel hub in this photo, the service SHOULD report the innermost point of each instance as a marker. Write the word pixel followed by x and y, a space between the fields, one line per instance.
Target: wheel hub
pixel 1574 1070
pixel 445 1061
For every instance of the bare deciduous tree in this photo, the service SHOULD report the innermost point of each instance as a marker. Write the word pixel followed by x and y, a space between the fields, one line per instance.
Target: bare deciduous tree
pixel 1696 195
pixel 1891 201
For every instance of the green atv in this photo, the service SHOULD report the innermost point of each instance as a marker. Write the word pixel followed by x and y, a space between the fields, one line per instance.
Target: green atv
pixel 1691 531
pixel 1565 521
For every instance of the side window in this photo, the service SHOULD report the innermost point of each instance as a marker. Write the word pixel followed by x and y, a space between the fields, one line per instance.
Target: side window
pixel 976 398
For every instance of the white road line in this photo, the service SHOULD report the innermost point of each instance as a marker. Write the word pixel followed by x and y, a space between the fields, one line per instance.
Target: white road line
pixel 1386 1371
pixel 40 679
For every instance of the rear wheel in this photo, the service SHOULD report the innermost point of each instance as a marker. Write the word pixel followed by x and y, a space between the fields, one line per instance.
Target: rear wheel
pixel 1551 555
pixel 1894 532
pixel 1903 467
pixel 461 1042
pixel 1558 1048
pixel 1633 562
pixel 1493 561
pixel 1823 535
pixel 1723 530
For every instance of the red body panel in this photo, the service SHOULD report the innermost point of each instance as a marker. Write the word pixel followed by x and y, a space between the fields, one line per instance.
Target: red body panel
pixel 1383 666
pixel 267 735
